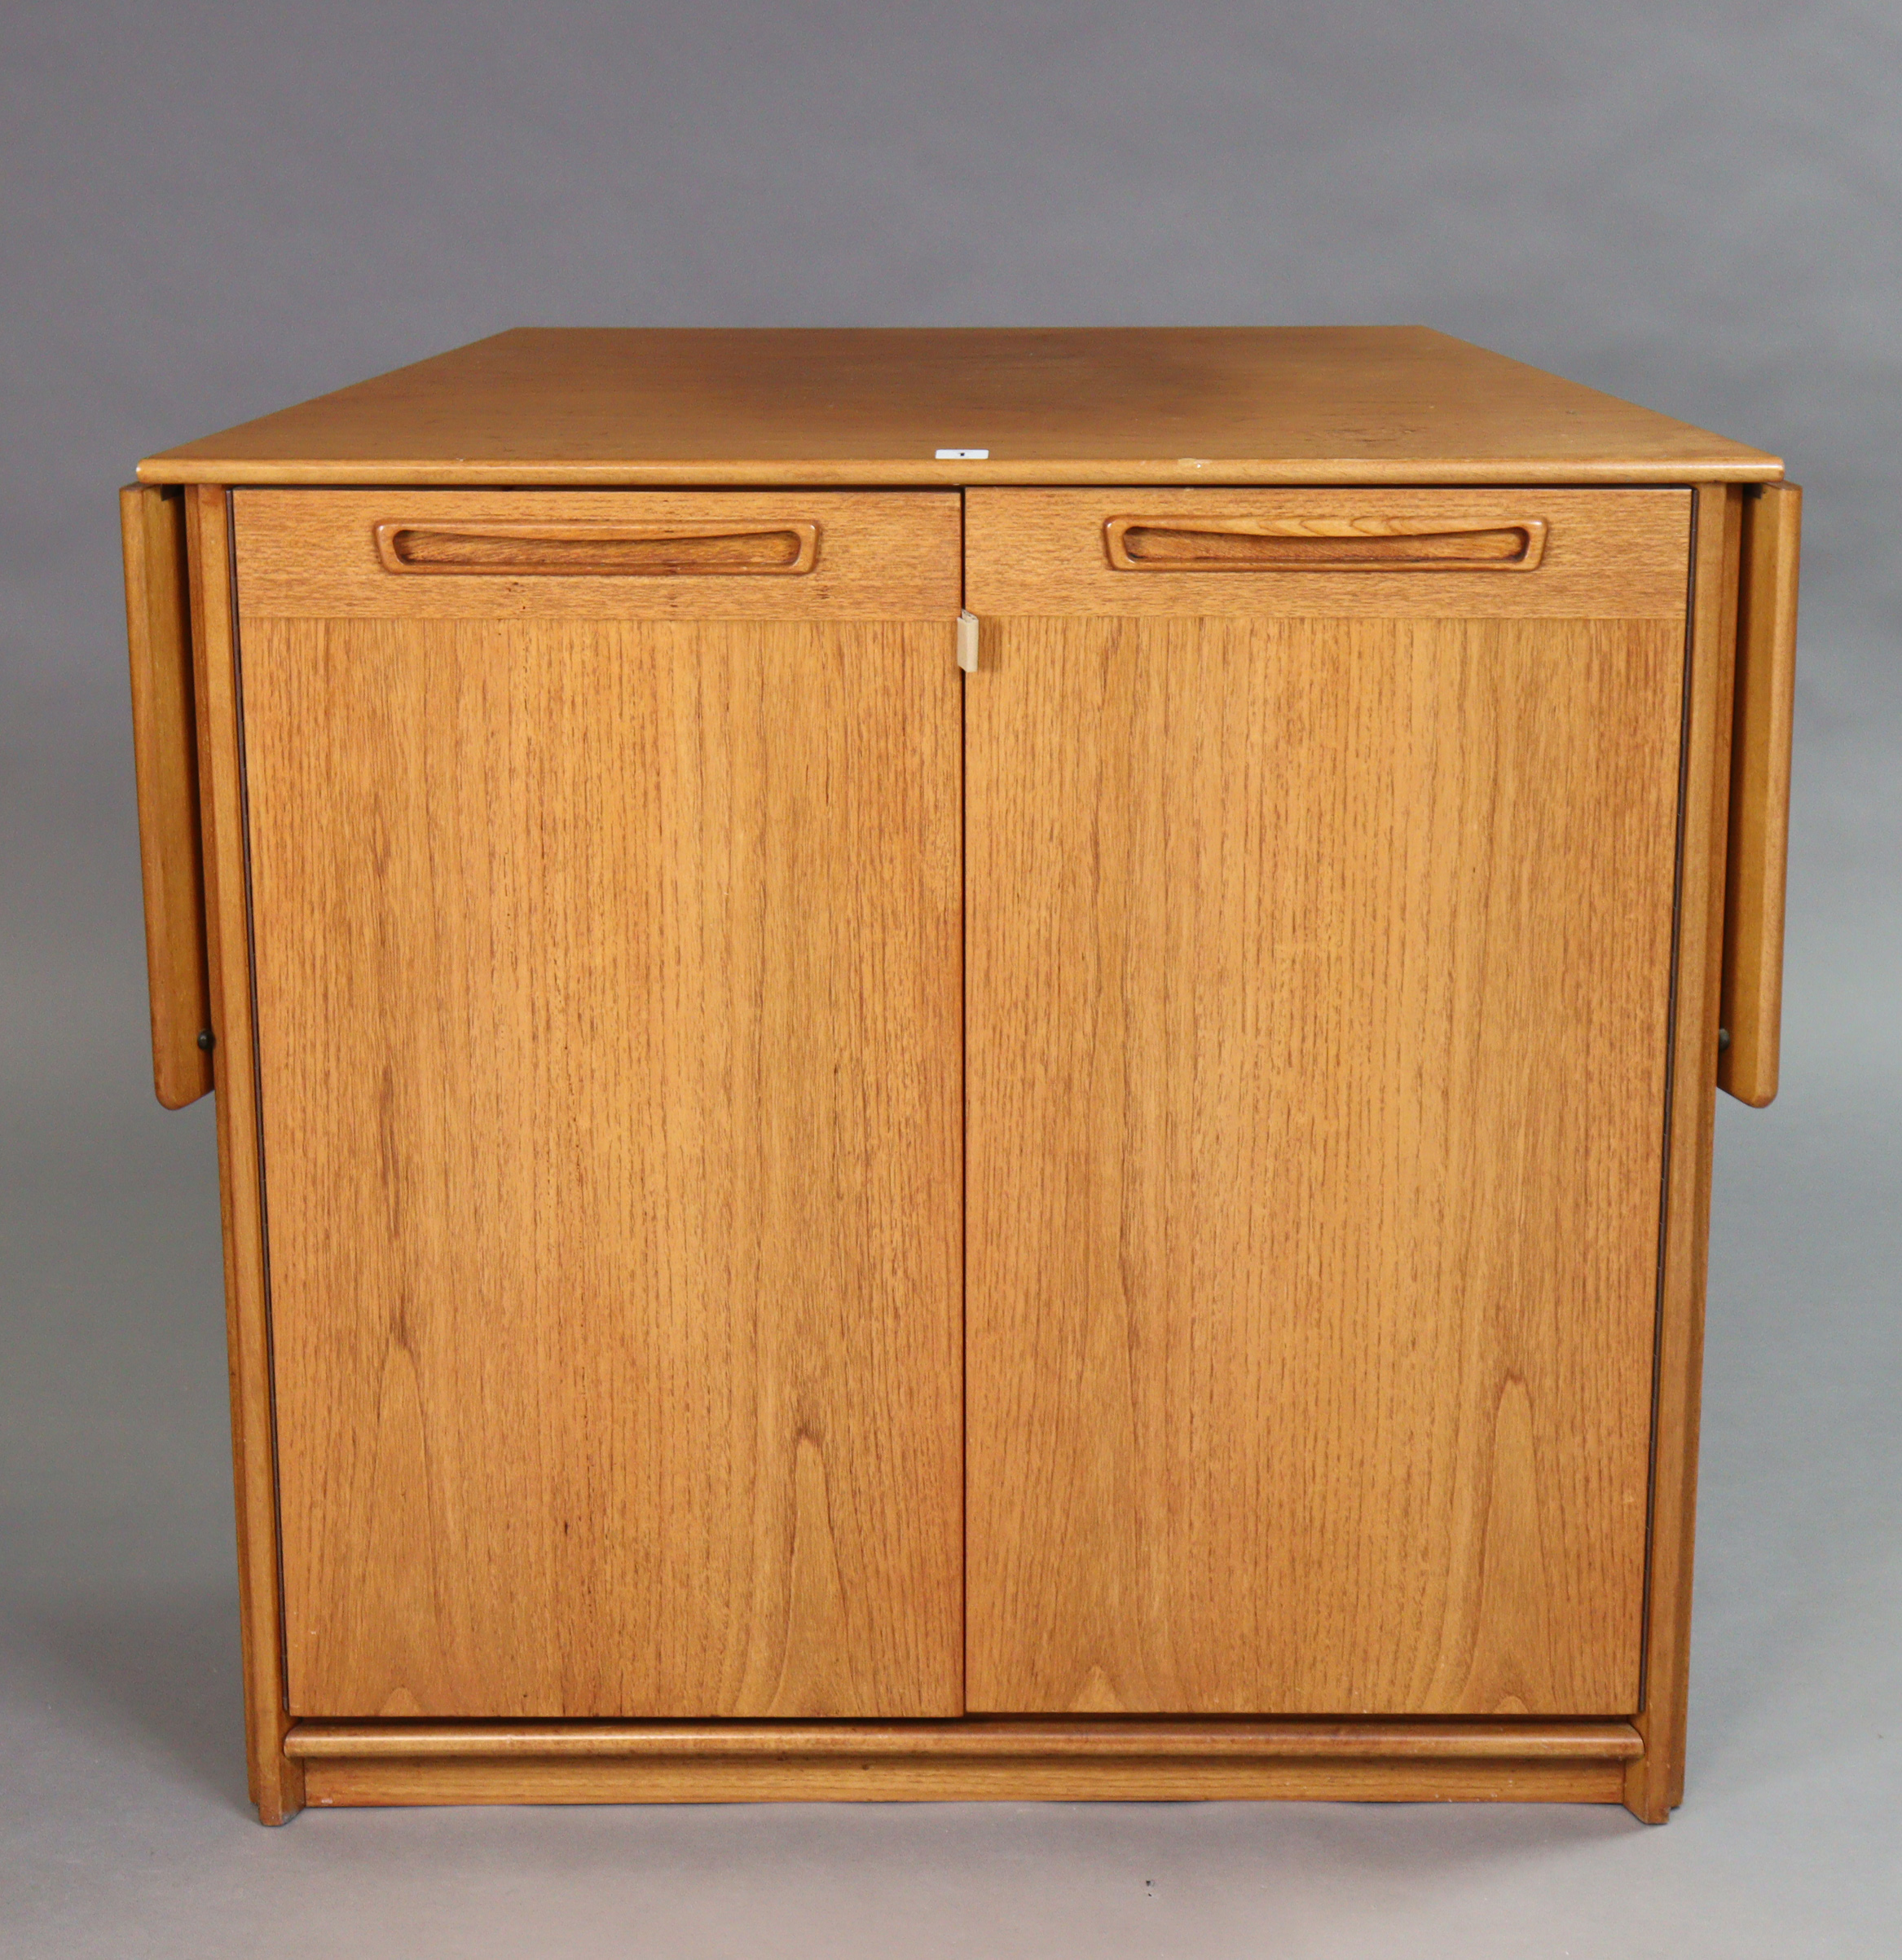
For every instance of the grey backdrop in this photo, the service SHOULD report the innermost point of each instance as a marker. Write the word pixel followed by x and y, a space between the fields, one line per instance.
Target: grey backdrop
pixel 212 209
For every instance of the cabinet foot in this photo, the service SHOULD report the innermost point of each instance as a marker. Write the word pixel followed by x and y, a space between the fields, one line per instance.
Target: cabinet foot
pixel 1649 1794
pixel 279 1791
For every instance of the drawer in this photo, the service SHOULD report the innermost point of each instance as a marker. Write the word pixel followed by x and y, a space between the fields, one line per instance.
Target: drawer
pixel 1529 553
pixel 421 554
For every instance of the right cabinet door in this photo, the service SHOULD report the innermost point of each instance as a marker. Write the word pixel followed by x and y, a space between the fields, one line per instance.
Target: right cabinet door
pixel 1320 852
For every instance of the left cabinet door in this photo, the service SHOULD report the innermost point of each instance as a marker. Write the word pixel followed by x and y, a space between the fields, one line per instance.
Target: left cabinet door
pixel 604 863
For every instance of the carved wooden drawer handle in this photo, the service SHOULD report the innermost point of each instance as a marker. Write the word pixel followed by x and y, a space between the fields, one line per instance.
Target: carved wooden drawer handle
pixel 1322 544
pixel 684 549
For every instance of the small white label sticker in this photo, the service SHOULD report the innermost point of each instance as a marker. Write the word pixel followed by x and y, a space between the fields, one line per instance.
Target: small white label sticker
pixel 963 456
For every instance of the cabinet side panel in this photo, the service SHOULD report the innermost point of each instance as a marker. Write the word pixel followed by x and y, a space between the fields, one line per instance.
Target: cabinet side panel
pixel 165 740
pixel 1655 1784
pixel 276 1784
pixel 609 993
pixel 1757 843
pixel 1318 981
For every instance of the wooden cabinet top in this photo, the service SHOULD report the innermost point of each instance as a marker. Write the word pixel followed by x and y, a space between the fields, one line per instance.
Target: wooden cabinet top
pixel 1042 405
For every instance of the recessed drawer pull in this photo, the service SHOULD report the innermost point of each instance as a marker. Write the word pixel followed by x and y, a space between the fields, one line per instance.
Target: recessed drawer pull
pixel 1322 544
pixel 584 551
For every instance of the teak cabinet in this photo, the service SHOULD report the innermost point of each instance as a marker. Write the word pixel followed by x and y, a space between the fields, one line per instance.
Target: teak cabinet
pixel 1032 1121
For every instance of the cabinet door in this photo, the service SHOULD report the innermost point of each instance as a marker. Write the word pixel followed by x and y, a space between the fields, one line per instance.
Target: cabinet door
pixel 604 862
pixel 1320 855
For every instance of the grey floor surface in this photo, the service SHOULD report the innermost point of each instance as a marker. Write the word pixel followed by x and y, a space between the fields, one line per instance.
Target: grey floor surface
pixel 123 1826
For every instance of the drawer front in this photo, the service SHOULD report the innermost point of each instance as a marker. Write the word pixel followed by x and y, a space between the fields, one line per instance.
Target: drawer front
pixel 1521 554
pixel 421 554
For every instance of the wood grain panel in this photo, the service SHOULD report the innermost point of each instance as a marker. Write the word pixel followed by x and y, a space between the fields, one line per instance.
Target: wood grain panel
pixel 608 983
pixel 1607 554
pixel 165 747
pixel 1318 988
pixel 276 1784
pixel 702 406
pixel 417 1762
pixel 1758 857
pixel 346 1781
pixel 1655 1784
pixel 974 1738
pixel 314 554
